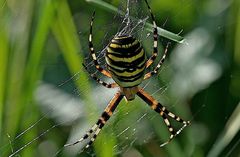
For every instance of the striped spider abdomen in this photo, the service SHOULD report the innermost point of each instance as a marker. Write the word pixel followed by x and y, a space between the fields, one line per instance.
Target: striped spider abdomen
pixel 126 61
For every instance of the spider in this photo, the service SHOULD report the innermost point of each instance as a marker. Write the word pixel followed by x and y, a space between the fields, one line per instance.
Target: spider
pixel 126 65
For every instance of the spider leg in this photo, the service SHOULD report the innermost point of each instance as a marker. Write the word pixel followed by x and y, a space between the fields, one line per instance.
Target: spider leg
pixel 92 51
pixel 95 130
pixel 155 71
pixel 164 113
pixel 107 85
pixel 155 38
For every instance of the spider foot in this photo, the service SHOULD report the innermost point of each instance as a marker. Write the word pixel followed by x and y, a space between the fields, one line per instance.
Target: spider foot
pixel 91 134
pixel 168 141
pixel 185 124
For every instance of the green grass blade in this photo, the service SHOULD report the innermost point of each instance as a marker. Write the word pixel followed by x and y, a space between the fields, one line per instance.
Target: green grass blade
pixel 231 129
pixel 33 71
pixel 39 40
pixel 66 36
pixel 3 73
pixel 104 5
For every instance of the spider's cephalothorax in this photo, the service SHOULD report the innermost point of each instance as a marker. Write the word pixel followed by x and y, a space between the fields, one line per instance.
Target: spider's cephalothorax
pixel 126 62
pixel 126 65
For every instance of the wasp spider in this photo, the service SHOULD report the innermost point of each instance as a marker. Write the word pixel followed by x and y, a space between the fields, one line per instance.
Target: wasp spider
pixel 126 65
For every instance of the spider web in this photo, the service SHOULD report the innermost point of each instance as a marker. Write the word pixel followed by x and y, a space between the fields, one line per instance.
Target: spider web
pixel 132 124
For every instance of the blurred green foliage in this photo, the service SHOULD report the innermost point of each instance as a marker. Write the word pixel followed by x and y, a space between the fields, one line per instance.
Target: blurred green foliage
pixel 47 99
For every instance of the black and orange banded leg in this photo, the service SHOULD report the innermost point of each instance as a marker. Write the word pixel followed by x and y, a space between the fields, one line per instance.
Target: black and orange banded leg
pixel 95 130
pixel 92 51
pixel 107 85
pixel 155 71
pixel 155 39
pixel 155 105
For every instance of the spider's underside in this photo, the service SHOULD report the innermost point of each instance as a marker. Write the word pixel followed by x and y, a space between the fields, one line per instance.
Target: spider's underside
pixel 126 65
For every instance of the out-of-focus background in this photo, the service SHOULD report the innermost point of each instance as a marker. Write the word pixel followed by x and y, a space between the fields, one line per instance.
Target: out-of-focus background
pixel 47 99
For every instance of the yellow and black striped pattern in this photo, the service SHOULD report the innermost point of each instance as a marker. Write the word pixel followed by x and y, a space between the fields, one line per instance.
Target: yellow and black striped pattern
pixel 126 64
pixel 126 61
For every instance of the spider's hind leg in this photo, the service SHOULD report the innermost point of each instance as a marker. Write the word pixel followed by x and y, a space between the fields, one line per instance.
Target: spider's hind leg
pixel 164 113
pixel 95 130
pixel 84 137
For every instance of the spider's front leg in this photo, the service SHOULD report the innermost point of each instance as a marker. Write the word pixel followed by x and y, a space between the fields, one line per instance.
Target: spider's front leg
pixel 107 85
pixel 164 113
pixel 155 39
pixel 92 51
pixel 155 71
pixel 95 130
